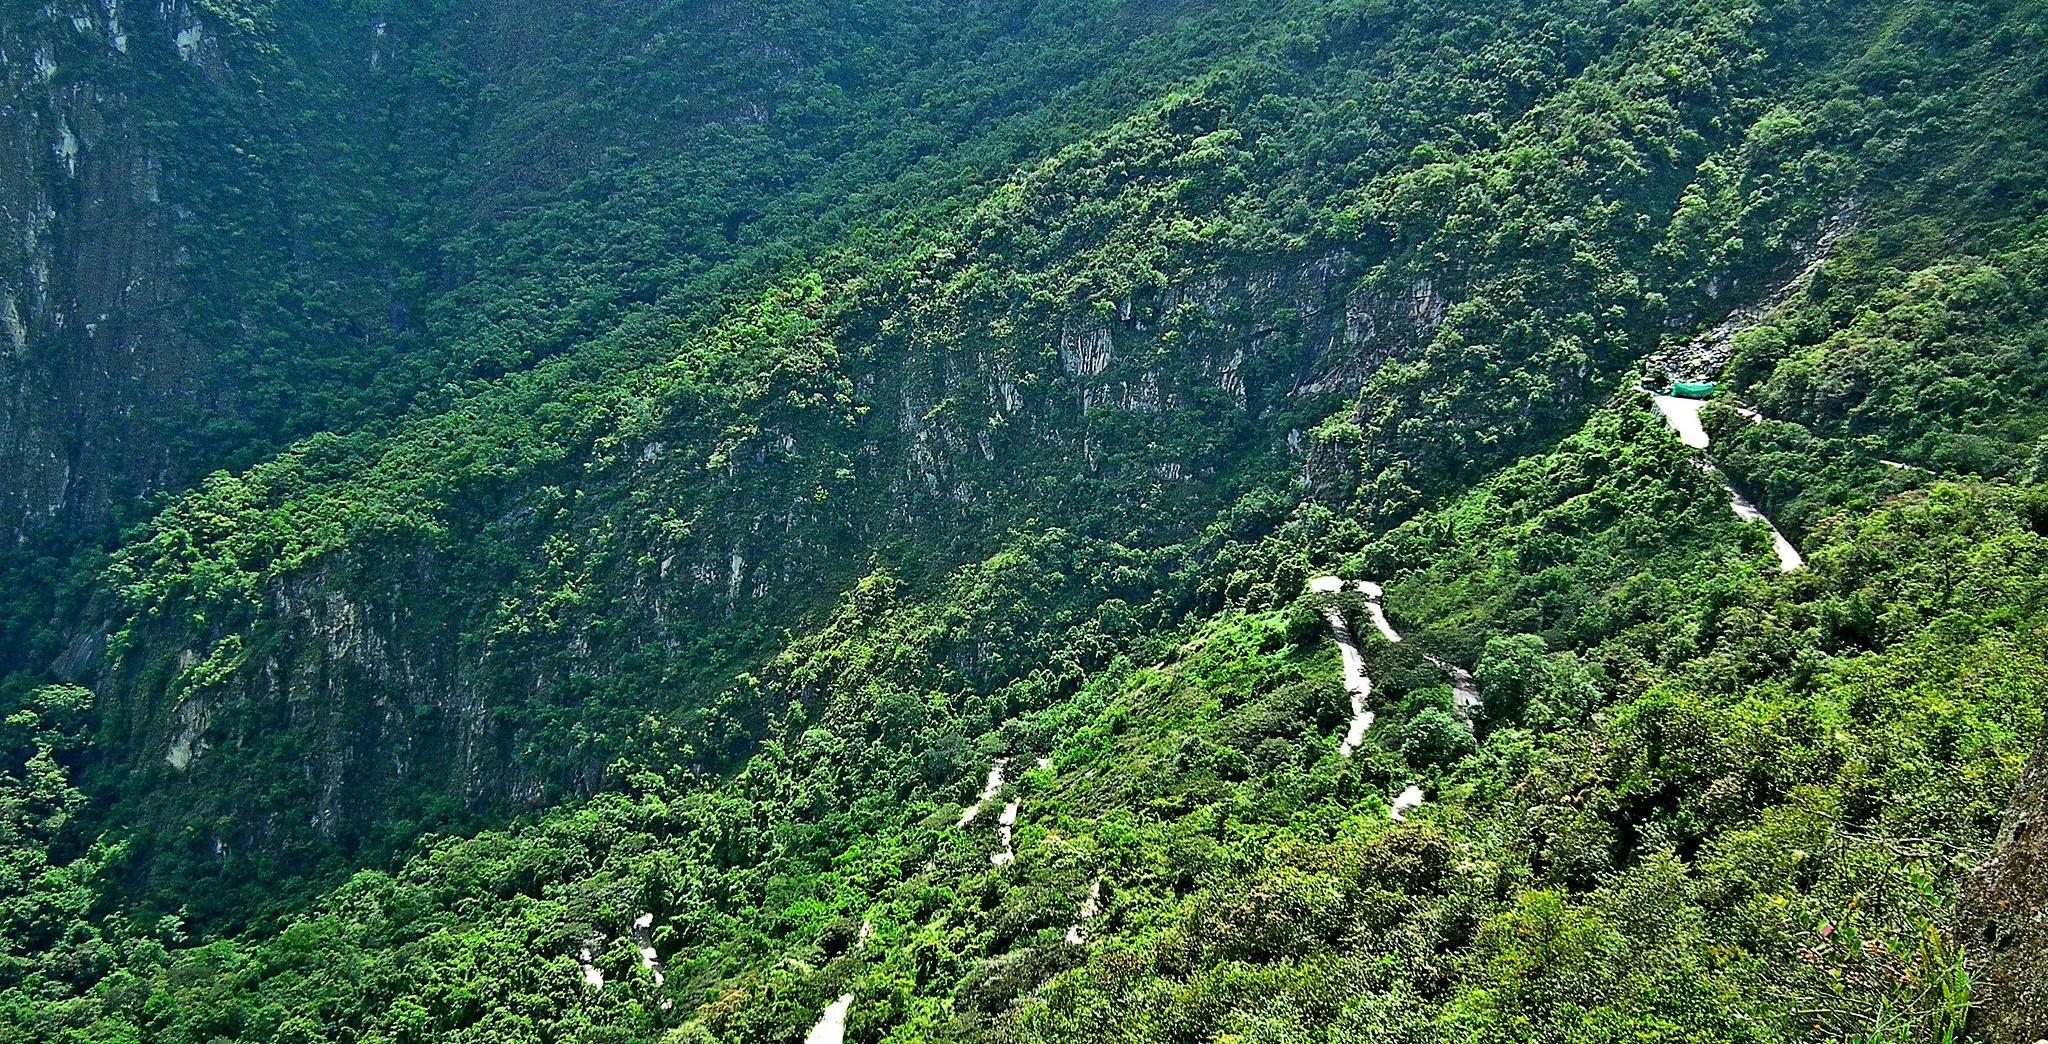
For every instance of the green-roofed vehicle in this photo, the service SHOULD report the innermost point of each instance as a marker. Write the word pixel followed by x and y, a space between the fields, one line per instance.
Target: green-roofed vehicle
pixel 1693 391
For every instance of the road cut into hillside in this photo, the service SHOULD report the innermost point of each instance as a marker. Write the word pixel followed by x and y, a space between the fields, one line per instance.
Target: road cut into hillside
pixel 989 790
pixel 1407 801
pixel 1356 684
pixel 650 958
pixel 1789 557
pixel 1377 612
pixel 1683 415
pixel 1006 831
pixel 1077 933
pixel 1465 698
pixel 831 1027
pixel 643 940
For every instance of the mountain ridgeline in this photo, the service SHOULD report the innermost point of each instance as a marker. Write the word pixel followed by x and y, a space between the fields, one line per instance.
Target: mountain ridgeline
pixel 598 520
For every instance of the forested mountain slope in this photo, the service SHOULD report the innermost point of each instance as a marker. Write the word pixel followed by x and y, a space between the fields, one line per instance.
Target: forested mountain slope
pixel 231 226
pixel 723 437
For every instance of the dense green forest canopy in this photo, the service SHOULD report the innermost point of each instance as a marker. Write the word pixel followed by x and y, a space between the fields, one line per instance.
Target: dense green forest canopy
pixel 718 516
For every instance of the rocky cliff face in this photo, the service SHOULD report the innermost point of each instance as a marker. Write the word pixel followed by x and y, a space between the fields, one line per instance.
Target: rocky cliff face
pixel 215 226
pixel 94 363
pixel 2003 922
pixel 225 226
pixel 433 669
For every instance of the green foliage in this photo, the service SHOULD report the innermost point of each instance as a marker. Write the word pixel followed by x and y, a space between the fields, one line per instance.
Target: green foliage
pixel 919 386
pixel 48 881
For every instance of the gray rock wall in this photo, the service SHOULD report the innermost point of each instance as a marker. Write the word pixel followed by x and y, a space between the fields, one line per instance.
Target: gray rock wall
pixel 2002 922
pixel 93 365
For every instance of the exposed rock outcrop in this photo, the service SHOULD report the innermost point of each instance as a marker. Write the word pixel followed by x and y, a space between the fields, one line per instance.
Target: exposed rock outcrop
pixel 93 365
pixel 2002 922
pixel 359 667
